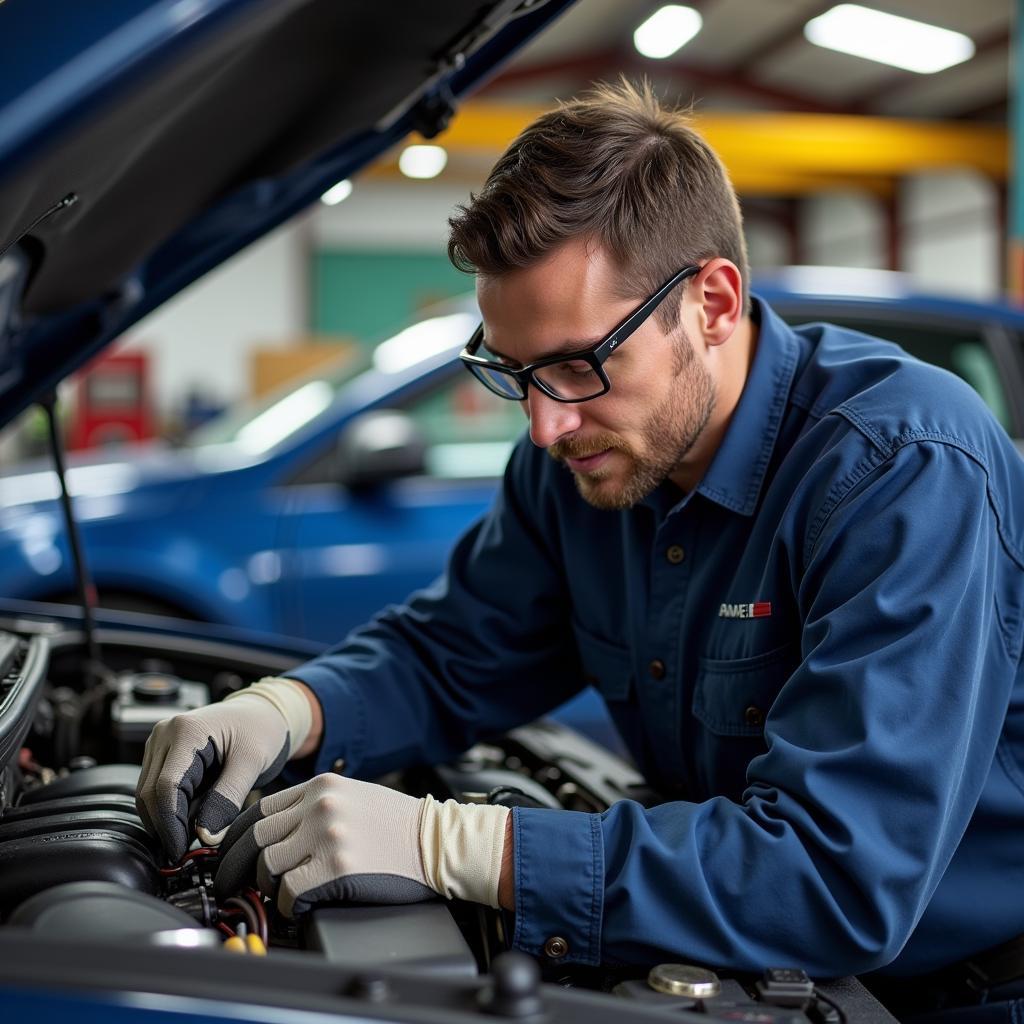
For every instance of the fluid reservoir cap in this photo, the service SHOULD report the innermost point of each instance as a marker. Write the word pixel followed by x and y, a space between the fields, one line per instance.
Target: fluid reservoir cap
pixel 684 980
pixel 155 688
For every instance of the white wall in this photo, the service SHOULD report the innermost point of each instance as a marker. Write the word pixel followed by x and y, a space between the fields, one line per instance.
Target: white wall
pixel 843 229
pixel 409 215
pixel 951 238
pixel 949 225
pixel 203 337
pixel 767 244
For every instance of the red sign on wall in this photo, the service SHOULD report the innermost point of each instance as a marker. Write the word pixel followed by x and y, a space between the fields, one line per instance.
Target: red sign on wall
pixel 112 403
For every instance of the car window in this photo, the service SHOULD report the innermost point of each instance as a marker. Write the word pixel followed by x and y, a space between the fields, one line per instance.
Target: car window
pixel 259 424
pixel 961 350
pixel 468 430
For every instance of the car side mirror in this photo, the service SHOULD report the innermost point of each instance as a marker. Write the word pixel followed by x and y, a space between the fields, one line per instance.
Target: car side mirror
pixel 377 448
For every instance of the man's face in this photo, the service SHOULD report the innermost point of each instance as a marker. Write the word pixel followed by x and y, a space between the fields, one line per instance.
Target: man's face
pixel 623 444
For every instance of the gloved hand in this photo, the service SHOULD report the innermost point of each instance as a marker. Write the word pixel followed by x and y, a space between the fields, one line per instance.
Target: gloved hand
pixel 240 743
pixel 334 838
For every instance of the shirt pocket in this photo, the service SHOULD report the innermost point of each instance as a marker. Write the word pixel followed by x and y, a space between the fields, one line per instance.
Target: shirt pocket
pixel 731 699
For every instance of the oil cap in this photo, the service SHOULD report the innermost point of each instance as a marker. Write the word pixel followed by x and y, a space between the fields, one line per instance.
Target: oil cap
pixel 684 980
pixel 156 688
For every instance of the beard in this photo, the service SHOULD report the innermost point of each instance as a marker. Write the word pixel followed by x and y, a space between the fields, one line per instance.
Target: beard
pixel 667 435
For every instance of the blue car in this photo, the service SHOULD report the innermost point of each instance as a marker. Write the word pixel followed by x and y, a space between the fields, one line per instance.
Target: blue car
pixel 307 514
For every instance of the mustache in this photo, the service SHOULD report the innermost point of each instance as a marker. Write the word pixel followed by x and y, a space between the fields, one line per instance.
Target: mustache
pixel 581 447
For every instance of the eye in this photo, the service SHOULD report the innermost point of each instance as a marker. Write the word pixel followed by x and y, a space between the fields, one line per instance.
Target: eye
pixel 577 367
pixel 499 360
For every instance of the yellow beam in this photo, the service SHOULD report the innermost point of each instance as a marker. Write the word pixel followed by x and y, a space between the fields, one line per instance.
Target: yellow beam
pixel 821 143
pixel 750 180
pixel 787 153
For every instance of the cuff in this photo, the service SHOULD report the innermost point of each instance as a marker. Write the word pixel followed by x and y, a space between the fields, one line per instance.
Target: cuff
pixel 344 716
pixel 559 884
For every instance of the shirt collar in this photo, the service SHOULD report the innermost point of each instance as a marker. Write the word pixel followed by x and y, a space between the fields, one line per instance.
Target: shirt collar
pixel 737 470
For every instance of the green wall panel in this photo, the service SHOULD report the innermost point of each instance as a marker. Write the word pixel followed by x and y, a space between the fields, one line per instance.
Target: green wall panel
pixel 369 295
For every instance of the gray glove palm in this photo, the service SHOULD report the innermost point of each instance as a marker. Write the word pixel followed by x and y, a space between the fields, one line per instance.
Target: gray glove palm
pixel 239 744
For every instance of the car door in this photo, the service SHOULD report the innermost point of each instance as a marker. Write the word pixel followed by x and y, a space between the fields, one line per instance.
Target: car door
pixel 351 553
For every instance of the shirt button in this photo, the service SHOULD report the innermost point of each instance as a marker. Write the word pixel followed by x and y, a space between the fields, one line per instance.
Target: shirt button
pixel 657 669
pixel 675 554
pixel 556 947
pixel 338 766
pixel 754 716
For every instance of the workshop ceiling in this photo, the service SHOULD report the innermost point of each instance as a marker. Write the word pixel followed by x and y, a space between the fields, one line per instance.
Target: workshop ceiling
pixel 751 55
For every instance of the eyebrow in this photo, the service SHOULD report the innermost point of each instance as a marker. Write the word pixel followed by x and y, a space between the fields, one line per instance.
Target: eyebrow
pixel 561 350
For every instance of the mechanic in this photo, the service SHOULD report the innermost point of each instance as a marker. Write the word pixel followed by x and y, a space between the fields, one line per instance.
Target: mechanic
pixel 790 559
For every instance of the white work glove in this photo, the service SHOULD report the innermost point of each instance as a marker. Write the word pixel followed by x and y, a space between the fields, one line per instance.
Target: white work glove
pixel 334 838
pixel 238 744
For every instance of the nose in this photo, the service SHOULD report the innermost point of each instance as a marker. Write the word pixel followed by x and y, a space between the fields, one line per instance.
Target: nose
pixel 550 420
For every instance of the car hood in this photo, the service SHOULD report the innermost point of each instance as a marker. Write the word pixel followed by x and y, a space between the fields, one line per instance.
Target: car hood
pixel 104 473
pixel 143 143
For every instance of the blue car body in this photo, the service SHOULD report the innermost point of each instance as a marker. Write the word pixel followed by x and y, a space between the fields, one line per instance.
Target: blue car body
pixel 216 534
pixel 268 541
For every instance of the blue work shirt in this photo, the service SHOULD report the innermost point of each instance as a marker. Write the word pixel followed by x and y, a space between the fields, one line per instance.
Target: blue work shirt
pixel 817 650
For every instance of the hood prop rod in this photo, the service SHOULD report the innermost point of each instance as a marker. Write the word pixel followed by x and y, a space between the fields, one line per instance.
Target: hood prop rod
pixel 86 590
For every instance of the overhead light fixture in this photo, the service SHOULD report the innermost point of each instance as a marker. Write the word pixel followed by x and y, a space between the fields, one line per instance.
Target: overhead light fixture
pixel 337 193
pixel 668 29
pixel 889 39
pixel 422 161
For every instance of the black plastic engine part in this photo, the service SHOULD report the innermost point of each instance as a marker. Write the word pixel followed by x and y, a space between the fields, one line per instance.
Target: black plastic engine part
pixel 84 821
pixel 512 796
pixel 103 779
pixel 515 989
pixel 97 910
pixel 31 865
pixel 415 936
pixel 71 805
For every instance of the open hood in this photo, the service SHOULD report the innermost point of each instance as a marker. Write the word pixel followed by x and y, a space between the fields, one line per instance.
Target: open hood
pixel 143 143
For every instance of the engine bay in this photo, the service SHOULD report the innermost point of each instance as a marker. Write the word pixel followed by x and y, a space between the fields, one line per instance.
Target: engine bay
pixel 78 866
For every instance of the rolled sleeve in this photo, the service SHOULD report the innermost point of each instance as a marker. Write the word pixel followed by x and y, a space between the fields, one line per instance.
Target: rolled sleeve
pixel 559 883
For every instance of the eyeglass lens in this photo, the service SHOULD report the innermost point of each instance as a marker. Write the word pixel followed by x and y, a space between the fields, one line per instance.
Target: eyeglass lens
pixel 574 379
pixel 500 383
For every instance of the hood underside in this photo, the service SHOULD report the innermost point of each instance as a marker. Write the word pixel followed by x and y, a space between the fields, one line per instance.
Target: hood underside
pixel 154 140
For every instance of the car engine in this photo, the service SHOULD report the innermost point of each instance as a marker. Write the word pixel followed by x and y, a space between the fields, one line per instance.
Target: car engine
pixel 78 866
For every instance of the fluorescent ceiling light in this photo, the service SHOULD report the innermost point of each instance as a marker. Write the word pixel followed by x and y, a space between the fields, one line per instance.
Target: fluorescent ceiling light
pixel 337 193
pixel 422 161
pixel 667 30
pixel 889 39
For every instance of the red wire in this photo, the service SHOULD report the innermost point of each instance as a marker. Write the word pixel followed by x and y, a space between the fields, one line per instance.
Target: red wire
pixel 202 851
pixel 256 899
pixel 225 929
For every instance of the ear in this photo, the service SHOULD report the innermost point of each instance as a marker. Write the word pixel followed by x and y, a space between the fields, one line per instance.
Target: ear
pixel 718 288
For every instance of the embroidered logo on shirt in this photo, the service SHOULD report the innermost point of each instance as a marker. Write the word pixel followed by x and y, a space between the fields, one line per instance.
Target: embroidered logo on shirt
pixel 757 610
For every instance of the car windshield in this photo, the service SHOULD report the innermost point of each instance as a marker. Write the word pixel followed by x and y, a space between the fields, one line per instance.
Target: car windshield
pixel 259 425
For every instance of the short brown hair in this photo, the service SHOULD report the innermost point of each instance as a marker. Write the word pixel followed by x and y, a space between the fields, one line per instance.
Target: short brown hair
pixel 614 165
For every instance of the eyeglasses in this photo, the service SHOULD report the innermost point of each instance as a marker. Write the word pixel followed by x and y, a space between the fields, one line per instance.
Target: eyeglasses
pixel 570 377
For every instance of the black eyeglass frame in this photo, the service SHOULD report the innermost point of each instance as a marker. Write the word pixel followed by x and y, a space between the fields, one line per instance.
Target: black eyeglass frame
pixel 594 355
